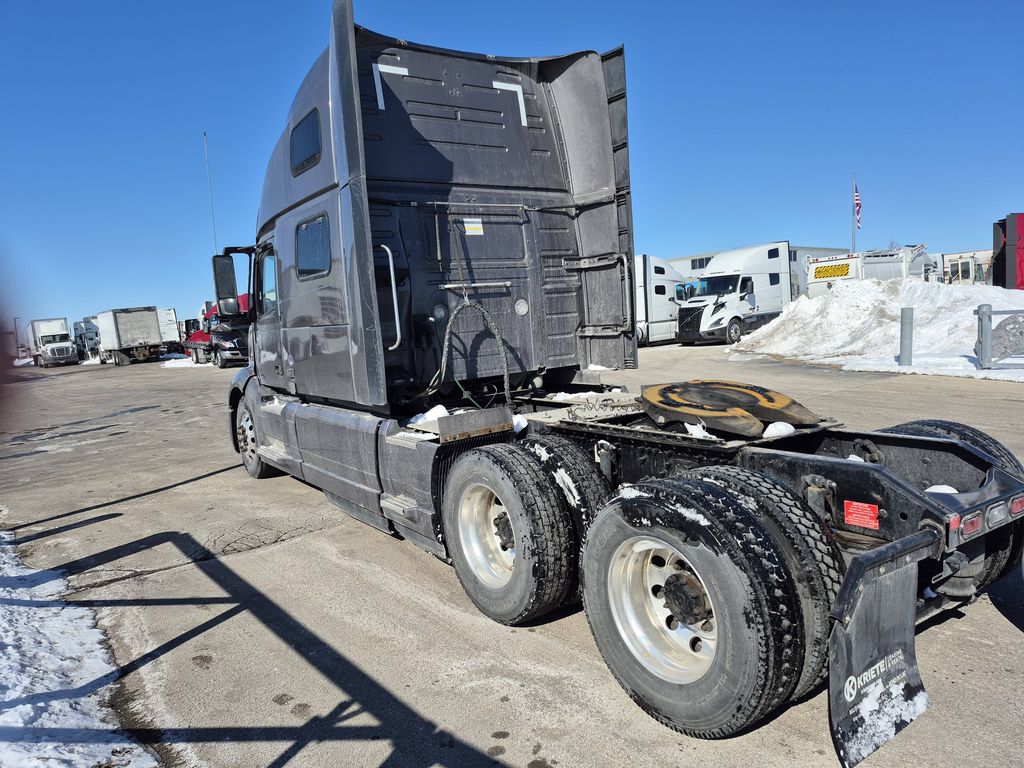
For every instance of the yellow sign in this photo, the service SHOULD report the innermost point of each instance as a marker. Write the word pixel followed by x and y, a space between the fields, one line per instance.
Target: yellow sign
pixel 830 271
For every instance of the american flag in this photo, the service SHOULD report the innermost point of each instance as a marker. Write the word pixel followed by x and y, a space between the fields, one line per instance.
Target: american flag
pixel 856 204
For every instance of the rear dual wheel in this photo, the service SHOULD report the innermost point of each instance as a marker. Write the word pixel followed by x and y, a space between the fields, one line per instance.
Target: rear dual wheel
pixel 508 533
pixel 691 597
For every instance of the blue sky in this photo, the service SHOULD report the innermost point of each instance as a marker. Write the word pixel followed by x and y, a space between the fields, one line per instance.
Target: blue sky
pixel 746 121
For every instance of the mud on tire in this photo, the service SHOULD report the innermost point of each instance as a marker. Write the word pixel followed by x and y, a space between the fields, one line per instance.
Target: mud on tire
pixel 508 533
pixel 583 488
pixel 809 550
pixel 754 611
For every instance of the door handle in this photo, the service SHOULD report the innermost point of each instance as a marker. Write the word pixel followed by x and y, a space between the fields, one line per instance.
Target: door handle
pixel 394 299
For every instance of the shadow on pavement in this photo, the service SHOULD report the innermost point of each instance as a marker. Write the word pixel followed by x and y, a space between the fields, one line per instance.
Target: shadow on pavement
pixel 414 740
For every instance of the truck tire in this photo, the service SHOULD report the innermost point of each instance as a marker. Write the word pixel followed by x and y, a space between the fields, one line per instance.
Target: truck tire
pixel 1002 547
pixel 808 547
pixel 508 533
pixel 733 331
pixel 692 607
pixel 583 488
pixel 218 359
pixel 245 430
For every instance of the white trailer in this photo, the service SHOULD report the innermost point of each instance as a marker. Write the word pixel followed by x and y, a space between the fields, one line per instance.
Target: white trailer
pixel 51 342
pixel 892 264
pixel 658 287
pixel 129 334
pixel 168 325
pixel 738 291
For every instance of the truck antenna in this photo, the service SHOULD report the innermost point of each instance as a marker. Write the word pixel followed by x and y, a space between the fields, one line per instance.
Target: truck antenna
pixel 209 183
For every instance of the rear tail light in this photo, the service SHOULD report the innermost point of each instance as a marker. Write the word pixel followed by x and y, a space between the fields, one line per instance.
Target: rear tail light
pixel 997 514
pixel 971 525
pixel 1017 506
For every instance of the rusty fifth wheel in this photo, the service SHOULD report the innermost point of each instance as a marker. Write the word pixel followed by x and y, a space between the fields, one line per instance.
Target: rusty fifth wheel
pixel 692 607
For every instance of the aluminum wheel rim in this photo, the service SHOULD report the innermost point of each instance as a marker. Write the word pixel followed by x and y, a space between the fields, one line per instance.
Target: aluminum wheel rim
pixel 734 334
pixel 675 651
pixel 247 437
pixel 490 555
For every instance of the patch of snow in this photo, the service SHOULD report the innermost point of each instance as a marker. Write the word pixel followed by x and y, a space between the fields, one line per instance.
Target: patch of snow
pixel 632 492
pixel 596 367
pixel 540 451
pixel 699 431
pixel 434 413
pixel 55 673
pixel 929 593
pixel 854 457
pixel 880 715
pixel 692 514
pixel 778 429
pixel 173 356
pixel 856 326
pixel 941 489
pixel 415 435
pixel 182 362
pixel 565 397
pixel 91 361
pixel 23 362
pixel 519 423
pixel 572 494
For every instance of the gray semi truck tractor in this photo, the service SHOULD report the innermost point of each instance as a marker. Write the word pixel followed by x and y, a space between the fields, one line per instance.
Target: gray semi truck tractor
pixel 442 265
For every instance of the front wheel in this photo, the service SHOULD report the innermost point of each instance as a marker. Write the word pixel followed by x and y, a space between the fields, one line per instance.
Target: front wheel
pixel 691 606
pixel 734 331
pixel 221 363
pixel 245 431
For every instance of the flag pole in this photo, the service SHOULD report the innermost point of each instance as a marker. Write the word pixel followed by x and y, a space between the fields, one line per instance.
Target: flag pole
pixel 853 216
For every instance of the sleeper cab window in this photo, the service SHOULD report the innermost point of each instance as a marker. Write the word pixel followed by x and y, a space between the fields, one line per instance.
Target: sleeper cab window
pixel 313 247
pixel 660 290
pixel 773 253
pixel 774 278
pixel 305 143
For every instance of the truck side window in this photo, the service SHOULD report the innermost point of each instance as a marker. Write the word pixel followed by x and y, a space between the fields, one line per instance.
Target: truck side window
pixel 313 247
pixel 747 285
pixel 660 290
pixel 774 278
pixel 305 143
pixel 659 270
pixel 773 253
pixel 268 284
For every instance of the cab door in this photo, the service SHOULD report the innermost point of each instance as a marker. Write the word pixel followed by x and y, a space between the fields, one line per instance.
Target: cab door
pixel 267 354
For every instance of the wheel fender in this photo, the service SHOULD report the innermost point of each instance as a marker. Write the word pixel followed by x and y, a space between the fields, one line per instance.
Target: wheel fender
pixel 235 394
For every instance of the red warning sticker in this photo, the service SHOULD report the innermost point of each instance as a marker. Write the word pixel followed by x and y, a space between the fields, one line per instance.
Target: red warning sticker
pixel 860 514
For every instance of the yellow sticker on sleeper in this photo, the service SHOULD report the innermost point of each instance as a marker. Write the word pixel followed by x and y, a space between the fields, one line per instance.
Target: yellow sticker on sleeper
pixel 473 226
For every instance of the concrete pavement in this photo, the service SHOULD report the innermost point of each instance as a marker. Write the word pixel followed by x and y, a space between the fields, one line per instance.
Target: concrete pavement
pixel 255 625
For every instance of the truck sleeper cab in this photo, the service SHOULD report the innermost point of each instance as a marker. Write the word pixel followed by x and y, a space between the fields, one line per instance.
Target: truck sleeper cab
pixel 443 263
pixel 737 292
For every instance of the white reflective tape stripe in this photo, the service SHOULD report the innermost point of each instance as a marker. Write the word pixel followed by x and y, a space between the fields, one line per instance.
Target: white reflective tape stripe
pixel 391 70
pixel 519 94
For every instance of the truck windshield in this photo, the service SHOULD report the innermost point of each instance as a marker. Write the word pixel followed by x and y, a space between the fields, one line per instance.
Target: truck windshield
pixel 54 338
pixel 715 286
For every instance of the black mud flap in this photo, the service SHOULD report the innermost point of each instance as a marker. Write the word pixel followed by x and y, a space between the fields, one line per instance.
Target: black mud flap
pixel 874 686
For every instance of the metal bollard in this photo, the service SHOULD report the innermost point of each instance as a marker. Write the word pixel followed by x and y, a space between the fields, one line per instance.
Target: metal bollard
pixel 907 336
pixel 984 347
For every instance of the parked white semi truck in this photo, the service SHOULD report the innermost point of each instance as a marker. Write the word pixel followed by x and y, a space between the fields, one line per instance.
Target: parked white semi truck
pixel 129 335
pixel 87 338
pixel 738 291
pixel 659 287
pixel 52 343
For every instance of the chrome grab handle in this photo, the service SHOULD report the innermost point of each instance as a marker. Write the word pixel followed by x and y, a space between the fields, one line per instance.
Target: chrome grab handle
pixel 394 299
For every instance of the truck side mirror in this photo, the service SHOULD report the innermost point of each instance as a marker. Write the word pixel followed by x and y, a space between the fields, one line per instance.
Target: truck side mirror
pixel 225 286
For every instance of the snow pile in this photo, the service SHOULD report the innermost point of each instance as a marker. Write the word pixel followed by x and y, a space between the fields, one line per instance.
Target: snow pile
pixel 856 325
pixel 23 362
pixel 55 674
pixel 181 362
pixel 91 361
